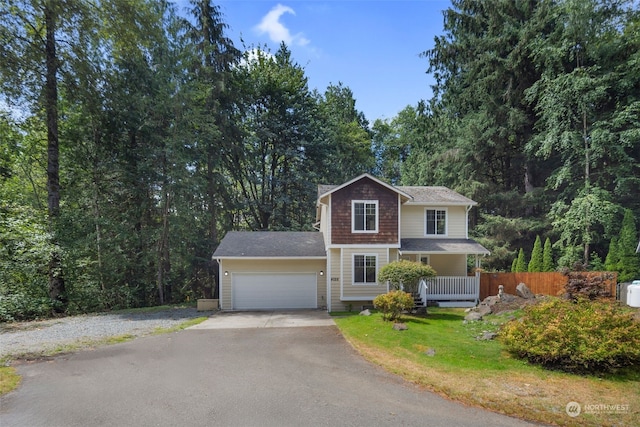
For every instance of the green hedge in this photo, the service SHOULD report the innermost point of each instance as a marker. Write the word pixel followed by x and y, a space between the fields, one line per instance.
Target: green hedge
pixel 582 336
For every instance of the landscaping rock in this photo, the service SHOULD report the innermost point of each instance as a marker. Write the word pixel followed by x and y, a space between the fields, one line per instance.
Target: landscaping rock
pixel 523 291
pixel 485 307
pixel 365 312
pixel 500 303
pixel 430 352
pixel 508 298
pixel 486 336
pixel 400 327
pixel 474 316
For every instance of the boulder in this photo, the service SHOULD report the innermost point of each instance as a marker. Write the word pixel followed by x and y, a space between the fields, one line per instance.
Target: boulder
pixel 365 312
pixel 524 292
pixel 474 316
pixel 483 309
pixel 507 298
pixel 400 327
pixel 486 336
pixel 430 352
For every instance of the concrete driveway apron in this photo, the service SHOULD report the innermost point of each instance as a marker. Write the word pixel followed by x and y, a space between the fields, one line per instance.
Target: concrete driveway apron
pixel 245 376
pixel 266 319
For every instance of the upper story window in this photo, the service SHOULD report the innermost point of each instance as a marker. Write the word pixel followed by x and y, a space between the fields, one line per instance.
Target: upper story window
pixel 364 216
pixel 435 222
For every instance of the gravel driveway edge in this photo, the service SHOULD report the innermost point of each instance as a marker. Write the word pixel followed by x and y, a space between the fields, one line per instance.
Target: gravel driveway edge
pixel 71 333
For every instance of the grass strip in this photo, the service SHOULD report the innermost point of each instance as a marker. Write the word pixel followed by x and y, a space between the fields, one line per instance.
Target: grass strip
pixel 442 353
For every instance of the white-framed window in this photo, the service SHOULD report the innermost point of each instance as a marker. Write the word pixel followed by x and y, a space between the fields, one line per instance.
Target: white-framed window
pixel 365 269
pixel 435 222
pixel 364 216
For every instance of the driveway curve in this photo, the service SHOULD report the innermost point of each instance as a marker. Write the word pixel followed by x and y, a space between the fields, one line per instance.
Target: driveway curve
pixel 301 376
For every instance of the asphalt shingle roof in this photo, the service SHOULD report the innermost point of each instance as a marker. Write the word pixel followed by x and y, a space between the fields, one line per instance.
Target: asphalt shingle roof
pixel 420 195
pixel 454 246
pixel 433 195
pixel 271 244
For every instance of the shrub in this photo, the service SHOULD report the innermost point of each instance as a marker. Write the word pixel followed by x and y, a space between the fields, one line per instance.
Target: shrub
pixel 583 336
pixel 406 272
pixel 393 303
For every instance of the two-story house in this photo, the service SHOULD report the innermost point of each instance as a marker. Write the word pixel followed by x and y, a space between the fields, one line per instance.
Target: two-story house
pixel 362 225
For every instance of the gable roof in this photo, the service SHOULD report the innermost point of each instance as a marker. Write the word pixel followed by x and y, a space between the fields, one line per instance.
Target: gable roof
pixel 325 190
pixel 419 195
pixel 271 244
pixel 436 196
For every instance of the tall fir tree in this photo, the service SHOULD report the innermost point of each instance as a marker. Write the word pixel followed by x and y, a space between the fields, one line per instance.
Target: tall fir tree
pixel 521 263
pixel 629 266
pixel 613 258
pixel 536 263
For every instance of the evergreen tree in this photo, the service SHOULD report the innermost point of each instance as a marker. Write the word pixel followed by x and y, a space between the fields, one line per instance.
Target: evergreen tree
pixel 613 258
pixel 629 266
pixel 547 256
pixel 514 264
pixel 521 263
pixel 536 263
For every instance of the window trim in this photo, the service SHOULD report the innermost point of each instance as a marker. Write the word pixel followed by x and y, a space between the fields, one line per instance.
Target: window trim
pixel 446 222
pixel 353 268
pixel 353 215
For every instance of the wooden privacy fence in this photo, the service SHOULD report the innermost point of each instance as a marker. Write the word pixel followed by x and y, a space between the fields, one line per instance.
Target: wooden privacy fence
pixel 539 283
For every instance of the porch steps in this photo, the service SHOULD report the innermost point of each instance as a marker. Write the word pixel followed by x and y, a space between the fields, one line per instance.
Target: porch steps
pixel 417 301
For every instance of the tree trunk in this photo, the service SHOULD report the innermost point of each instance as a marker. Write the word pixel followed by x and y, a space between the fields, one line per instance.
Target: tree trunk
pixel 163 249
pixel 56 278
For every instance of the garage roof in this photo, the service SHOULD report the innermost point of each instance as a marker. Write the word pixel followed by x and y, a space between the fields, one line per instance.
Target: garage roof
pixel 449 246
pixel 271 244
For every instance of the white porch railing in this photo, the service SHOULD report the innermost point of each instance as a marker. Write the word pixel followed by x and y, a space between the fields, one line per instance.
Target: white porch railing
pixel 450 288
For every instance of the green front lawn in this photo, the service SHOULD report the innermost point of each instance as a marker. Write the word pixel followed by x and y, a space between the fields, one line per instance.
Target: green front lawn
pixel 440 352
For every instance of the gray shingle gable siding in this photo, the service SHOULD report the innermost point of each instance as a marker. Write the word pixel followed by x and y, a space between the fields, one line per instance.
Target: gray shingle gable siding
pixel 271 244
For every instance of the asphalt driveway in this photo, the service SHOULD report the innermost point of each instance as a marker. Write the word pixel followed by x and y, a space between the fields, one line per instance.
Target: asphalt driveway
pixel 278 376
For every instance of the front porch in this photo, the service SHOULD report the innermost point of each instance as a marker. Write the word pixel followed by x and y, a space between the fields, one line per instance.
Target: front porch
pixel 450 291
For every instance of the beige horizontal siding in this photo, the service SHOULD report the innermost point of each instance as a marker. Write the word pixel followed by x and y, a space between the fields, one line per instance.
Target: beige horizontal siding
pixel 343 291
pixel 413 221
pixel 271 266
pixel 449 265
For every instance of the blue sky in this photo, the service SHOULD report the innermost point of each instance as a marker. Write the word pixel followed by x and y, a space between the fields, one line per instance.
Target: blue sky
pixel 371 46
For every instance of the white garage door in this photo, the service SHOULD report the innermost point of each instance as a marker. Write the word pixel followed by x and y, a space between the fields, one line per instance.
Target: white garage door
pixel 253 291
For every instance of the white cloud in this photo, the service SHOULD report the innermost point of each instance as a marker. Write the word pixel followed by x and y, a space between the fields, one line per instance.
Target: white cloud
pixel 277 32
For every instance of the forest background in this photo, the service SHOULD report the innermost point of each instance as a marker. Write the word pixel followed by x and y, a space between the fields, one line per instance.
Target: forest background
pixel 134 138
